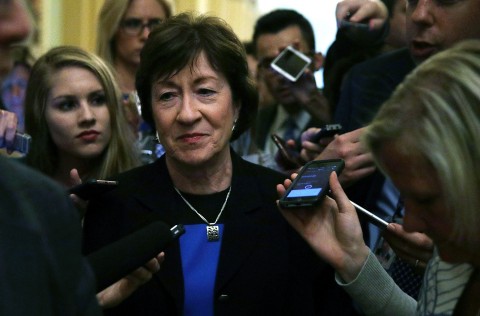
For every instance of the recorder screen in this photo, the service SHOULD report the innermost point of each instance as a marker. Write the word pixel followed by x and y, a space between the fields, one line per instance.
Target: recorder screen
pixel 312 181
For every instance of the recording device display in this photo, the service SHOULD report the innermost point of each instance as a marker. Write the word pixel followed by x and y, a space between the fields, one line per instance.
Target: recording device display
pixel 312 183
pixel 291 63
pixel 21 143
pixel 290 157
pixel 328 130
pixel 92 188
pixel 118 259
pixel 374 219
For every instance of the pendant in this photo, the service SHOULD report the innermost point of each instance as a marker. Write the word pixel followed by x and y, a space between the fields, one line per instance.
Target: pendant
pixel 213 233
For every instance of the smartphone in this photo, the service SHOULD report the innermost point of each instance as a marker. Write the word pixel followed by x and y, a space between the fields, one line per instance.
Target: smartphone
pixel 354 25
pixel 92 188
pixel 328 130
pixel 312 183
pixel 290 157
pixel 291 63
pixel 21 142
pixel 372 218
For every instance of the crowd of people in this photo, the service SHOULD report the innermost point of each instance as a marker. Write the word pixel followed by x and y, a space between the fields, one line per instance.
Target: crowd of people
pixel 401 79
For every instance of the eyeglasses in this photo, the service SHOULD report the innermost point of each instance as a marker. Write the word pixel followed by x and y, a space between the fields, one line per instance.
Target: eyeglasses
pixel 135 27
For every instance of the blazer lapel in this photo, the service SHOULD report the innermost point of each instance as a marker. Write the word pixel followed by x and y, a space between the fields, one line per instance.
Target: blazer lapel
pixel 156 196
pixel 241 226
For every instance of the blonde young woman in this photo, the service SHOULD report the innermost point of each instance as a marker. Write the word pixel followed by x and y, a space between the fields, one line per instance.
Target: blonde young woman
pixel 123 28
pixel 76 118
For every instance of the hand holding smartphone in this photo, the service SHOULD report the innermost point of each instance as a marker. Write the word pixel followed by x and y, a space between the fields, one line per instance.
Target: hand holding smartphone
pixel 21 142
pixel 328 130
pixel 92 188
pixel 290 157
pixel 312 183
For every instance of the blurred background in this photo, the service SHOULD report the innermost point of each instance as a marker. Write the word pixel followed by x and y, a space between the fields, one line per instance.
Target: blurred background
pixel 73 22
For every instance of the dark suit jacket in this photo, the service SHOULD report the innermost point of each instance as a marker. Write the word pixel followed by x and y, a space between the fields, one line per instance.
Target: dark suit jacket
pixel 264 120
pixel 366 87
pixel 42 271
pixel 264 267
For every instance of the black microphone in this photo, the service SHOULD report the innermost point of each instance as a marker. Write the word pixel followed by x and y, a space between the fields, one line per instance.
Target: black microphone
pixel 118 259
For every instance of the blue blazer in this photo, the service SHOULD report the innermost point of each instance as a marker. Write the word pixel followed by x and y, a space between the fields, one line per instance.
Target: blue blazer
pixel 264 268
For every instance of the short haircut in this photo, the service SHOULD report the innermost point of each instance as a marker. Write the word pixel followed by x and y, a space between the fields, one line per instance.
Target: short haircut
pixel 178 42
pixel 278 20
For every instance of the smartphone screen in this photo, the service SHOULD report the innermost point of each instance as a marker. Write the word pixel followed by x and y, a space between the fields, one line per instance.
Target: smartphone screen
pixel 311 184
pixel 291 63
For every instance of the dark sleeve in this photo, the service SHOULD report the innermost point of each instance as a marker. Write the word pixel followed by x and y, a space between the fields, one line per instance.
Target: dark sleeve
pixel 60 278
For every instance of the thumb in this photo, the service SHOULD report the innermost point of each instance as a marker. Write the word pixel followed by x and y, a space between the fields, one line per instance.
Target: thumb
pixel 344 204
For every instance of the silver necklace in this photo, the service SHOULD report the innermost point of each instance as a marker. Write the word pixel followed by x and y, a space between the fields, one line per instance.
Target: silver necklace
pixel 213 233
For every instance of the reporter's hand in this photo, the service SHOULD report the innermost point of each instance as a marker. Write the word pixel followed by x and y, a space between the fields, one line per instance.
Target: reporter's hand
pixel 79 203
pixel 332 229
pixel 311 150
pixel 119 291
pixel 8 127
pixel 374 11
pixel 310 98
pixel 414 248
pixel 358 161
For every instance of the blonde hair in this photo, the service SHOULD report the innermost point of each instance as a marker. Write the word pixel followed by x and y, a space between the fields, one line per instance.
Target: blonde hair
pixel 435 115
pixel 109 20
pixel 120 154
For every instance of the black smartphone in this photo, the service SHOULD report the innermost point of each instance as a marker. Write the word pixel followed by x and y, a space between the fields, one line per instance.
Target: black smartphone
pixel 354 25
pixel 92 188
pixel 21 142
pixel 290 157
pixel 291 63
pixel 328 130
pixel 312 183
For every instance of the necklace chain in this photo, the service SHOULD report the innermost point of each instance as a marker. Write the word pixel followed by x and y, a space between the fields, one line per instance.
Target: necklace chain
pixel 200 215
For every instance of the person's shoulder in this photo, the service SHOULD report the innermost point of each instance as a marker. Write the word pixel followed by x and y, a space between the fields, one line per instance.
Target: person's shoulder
pixel 18 176
pixel 395 60
pixel 143 171
pixel 263 173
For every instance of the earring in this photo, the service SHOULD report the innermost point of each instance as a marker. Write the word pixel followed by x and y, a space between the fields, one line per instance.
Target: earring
pixel 234 123
pixel 157 137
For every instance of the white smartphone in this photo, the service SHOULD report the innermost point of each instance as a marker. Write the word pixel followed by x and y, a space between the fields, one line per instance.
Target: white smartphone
pixel 291 63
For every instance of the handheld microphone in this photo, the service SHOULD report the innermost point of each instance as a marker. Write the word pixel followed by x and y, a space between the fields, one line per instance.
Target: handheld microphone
pixel 118 259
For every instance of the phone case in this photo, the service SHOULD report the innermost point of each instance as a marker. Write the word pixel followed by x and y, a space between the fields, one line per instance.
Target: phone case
pixel 328 130
pixel 291 63
pixel 312 183
pixel 290 158
pixel 92 188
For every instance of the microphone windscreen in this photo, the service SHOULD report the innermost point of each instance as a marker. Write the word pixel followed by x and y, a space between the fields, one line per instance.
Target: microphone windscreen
pixel 118 259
